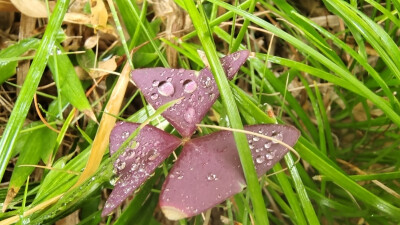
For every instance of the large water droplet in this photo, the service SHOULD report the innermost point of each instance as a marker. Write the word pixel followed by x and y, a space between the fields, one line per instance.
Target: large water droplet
pixel 267 145
pixel 256 138
pixel 189 115
pixel 189 86
pixel 211 177
pixel 154 96
pixel 260 159
pixel 166 88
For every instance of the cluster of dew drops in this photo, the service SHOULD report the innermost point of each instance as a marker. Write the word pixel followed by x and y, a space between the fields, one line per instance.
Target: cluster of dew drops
pixel 261 156
pixel 167 89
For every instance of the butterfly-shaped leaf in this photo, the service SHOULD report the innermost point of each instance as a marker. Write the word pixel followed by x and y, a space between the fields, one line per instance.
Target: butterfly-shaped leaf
pixel 161 85
pixel 143 155
pixel 208 170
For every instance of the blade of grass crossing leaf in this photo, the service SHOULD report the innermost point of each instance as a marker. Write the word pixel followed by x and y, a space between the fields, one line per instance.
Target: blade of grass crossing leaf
pixel 227 98
pixel 377 100
pixel 24 100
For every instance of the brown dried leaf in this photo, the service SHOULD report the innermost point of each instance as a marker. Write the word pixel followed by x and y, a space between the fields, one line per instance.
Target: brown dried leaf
pixel 77 18
pixel 32 8
pixel 104 68
pixel 7 6
pixel 99 14
pixel 91 42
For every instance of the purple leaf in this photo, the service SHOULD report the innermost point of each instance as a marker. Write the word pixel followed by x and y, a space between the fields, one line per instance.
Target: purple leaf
pixel 161 85
pixel 208 171
pixel 139 160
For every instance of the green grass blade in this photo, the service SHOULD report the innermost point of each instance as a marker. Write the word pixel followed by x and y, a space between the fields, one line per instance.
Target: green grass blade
pixel 377 100
pixel 229 103
pixel 7 66
pixel 24 100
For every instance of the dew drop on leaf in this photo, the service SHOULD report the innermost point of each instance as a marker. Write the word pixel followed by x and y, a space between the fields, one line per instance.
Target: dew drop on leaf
pixel 165 88
pixel 211 177
pixel 260 159
pixel 267 145
pixel 190 115
pixel 189 86
pixel 156 83
pixel 278 136
pixel 154 96
pixel 270 155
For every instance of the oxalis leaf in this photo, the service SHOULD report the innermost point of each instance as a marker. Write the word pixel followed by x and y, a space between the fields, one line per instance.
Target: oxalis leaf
pixel 161 85
pixel 208 171
pixel 210 163
pixel 139 160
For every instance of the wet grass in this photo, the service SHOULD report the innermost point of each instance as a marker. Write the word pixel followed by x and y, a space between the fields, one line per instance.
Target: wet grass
pixel 335 81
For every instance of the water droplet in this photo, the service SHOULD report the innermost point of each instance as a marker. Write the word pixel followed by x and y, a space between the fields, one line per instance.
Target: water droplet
pixel 256 138
pixel 156 83
pixel 270 155
pixel 235 56
pixel 189 86
pixel 267 145
pixel 201 98
pixel 154 96
pixel 260 159
pixel 181 70
pixel 121 165
pixel 125 135
pixel 207 82
pixel 153 154
pixel 169 79
pixel 277 135
pixel 212 96
pixel 134 144
pixel 180 177
pixel 251 146
pixel 212 176
pixel 190 115
pixel 166 88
